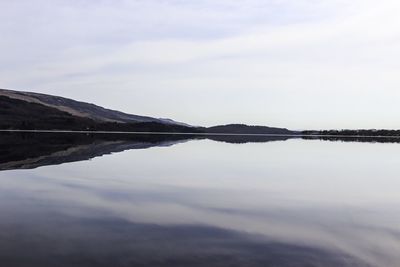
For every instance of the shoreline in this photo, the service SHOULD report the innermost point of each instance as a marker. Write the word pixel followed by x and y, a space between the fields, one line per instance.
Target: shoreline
pixel 199 134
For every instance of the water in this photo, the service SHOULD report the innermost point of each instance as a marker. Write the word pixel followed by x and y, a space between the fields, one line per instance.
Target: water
pixel 78 200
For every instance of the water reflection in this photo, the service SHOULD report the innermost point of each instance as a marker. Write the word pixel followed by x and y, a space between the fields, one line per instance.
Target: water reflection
pixel 32 150
pixel 199 203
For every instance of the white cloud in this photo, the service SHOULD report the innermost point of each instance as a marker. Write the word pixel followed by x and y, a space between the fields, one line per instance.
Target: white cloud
pixel 299 64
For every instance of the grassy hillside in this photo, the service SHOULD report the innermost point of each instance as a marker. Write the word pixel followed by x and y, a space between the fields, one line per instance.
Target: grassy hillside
pixel 23 115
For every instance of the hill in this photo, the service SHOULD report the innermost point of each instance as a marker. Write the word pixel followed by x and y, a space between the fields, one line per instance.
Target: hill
pixel 19 114
pixel 246 129
pixel 81 109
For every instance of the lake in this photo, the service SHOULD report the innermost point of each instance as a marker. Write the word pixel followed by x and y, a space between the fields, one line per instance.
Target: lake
pixel 100 200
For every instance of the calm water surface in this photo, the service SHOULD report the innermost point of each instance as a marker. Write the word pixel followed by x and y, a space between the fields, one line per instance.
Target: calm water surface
pixel 200 203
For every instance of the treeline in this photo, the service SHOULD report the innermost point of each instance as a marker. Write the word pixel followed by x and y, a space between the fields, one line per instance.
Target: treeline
pixel 89 125
pixel 362 132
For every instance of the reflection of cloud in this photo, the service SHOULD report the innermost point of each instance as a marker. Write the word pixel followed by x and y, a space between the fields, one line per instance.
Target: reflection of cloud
pixel 43 236
pixel 299 234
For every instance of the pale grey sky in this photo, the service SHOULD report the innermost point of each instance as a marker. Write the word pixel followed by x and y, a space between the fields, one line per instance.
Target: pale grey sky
pixel 292 63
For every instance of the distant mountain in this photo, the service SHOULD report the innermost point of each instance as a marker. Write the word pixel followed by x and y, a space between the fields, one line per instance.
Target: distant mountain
pixel 246 129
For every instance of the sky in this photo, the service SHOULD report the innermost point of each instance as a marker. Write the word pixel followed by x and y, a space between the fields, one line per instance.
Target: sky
pixel 300 64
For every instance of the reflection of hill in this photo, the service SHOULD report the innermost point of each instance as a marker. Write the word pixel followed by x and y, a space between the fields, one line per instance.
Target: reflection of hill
pixel 28 150
pixel 32 150
pixel 241 139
